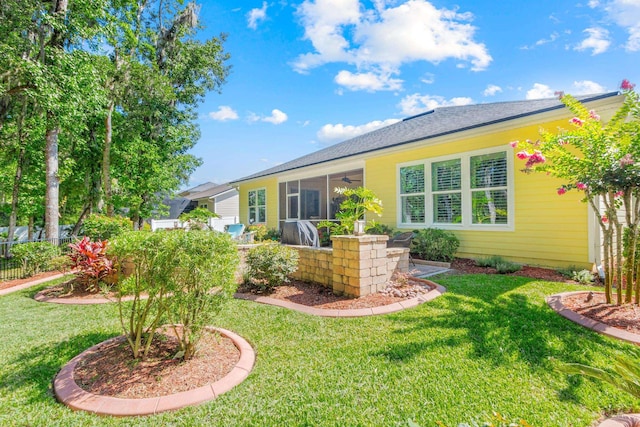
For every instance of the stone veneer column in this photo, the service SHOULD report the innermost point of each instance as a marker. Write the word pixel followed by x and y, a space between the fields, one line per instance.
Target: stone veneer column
pixel 359 264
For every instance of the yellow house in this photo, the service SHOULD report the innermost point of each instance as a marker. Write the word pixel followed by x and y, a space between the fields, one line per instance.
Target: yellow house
pixel 451 168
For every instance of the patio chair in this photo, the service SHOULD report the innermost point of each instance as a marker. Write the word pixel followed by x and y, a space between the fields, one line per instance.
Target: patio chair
pixel 402 240
pixel 236 231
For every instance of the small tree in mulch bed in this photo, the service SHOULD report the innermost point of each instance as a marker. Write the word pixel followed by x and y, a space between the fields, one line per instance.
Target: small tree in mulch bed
pixel 186 276
pixel 603 161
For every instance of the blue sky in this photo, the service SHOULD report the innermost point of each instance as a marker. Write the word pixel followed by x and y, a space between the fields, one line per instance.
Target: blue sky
pixel 307 74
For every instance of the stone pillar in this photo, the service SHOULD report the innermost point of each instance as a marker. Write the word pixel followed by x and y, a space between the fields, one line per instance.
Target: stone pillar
pixel 359 264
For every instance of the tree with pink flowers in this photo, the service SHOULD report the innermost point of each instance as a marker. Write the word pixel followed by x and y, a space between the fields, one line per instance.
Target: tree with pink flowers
pixel 602 160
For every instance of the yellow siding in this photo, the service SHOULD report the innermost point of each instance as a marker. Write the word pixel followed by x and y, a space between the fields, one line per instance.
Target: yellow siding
pixel 271 185
pixel 549 230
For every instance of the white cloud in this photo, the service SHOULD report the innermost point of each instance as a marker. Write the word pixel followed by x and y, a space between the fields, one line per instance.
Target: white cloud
pixel 414 104
pixel 491 90
pixel 277 117
pixel 552 37
pixel 339 132
pixel 370 81
pixel 540 91
pixel 587 87
pixel 582 87
pixel 428 78
pixel 256 15
pixel 379 41
pixel 593 4
pixel 626 13
pixel 223 114
pixel 598 41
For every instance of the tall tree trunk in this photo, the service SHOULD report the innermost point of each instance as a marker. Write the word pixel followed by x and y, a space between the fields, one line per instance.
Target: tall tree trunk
pixel 51 215
pixel 106 161
pixel 83 215
pixel 30 228
pixel 52 208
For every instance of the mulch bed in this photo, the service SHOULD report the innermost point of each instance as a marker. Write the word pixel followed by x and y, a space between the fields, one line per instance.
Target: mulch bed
pixel 70 290
pixel 402 287
pixel 593 305
pixel 468 266
pixel 112 371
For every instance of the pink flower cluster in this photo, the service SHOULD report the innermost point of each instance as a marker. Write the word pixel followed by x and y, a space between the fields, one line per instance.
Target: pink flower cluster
pixel 514 144
pixel 532 159
pixel 626 160
pixel 561 191
pixel 593 115
pixel 581 186
pixel 627 85
pixel 576 121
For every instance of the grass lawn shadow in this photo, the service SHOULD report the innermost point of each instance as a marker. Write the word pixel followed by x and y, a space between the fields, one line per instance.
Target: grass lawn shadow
pixel 37 368
pixel 504 319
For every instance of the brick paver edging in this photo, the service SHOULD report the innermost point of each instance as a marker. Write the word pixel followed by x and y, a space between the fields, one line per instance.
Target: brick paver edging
pixel 69 393
pixel 30 284
pixel 555 302
pixel 354 312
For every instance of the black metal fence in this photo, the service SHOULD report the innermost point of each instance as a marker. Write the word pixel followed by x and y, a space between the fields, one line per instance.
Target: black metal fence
pixel 12 268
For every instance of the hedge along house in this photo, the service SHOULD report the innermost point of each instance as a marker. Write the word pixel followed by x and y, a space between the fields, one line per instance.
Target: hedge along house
pixel 451 168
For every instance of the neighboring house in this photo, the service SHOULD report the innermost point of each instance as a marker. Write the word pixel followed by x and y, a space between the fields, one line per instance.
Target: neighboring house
pixel 451 168
pixel 221 199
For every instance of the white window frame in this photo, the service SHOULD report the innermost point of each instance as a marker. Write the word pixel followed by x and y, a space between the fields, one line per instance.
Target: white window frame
pixel 465 164
pixel 257 206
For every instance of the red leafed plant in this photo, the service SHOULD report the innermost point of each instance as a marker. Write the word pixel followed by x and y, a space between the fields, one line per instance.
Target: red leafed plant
pixel 91 262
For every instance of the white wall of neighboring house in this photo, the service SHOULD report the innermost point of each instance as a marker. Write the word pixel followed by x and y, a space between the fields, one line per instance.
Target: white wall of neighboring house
pixel 227 204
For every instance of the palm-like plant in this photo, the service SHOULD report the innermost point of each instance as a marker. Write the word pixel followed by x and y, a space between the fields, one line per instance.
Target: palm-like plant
pixel 625 375
pixel 358 202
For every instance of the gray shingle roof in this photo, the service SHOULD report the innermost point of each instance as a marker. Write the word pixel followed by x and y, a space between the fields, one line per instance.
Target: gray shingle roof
pixel 434 123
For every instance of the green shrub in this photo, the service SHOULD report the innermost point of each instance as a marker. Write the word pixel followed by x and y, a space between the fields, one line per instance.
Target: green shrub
pixel 569 271
pixel 269 265
pixel 142 252
pixel 264 234
pixel 102 227
pixel 201 279
pixel 198 219
pixel 584 277
pixel 61 263
pixel 35 256
pixel 187 277
pixel 506 267
pixel 501 265
pixel 489 261
pixel 435 245
pixel 379 229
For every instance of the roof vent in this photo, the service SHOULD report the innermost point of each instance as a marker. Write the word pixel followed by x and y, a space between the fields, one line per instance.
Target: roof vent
pixel 418 115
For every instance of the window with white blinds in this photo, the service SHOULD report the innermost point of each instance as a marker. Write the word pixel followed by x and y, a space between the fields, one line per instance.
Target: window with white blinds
pixel 446 190
pixel 489 204
pixel 471 190
pixel 412 194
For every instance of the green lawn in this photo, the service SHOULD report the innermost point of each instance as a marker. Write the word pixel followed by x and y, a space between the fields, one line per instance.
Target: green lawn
pixel 489 344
